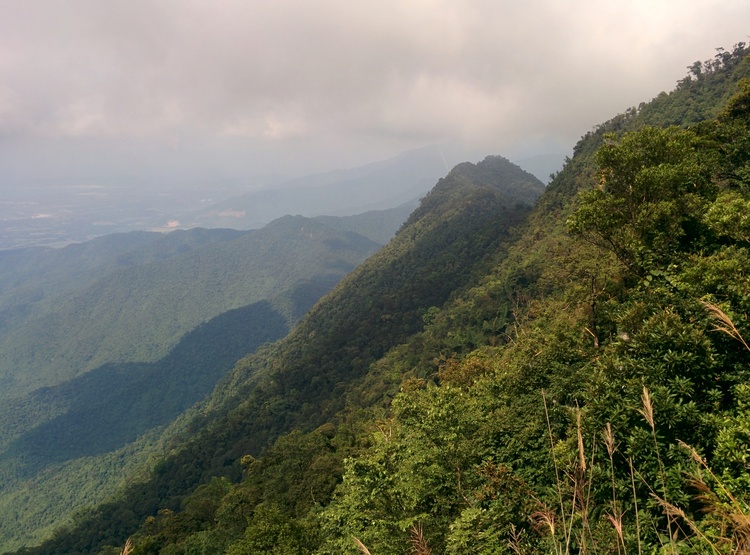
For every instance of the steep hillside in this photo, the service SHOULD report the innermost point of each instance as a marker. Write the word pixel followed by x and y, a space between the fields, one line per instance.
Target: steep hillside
pixel 112 405
pixel 592 392
pixel 65 446
pixel 140 303
pixel 304 380
pixel 67 425
pixel 566 381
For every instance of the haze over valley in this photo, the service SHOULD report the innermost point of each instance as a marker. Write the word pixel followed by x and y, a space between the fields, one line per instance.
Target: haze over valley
pixel 138 116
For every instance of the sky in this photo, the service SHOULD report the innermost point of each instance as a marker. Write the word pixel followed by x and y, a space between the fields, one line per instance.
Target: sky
pixel 169 91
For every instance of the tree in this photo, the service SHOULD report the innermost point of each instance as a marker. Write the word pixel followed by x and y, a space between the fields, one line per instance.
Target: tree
pixel 654 185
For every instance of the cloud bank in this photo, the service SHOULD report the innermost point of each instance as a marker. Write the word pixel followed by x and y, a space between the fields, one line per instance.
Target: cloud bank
pixel 304 84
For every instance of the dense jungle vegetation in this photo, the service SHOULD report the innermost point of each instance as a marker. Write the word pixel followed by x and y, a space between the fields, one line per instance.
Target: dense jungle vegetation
pixel 80 410
pixel 59 306
pixel 572 379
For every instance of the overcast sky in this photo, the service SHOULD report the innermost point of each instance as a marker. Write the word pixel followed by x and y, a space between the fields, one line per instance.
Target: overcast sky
pixel 101 89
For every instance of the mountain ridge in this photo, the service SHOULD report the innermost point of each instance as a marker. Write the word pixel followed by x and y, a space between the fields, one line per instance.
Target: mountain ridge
pixel 263 390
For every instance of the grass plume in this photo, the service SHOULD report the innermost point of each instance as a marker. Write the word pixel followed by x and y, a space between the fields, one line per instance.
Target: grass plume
pixel 361 546
pixel 647 409
pixel 723 323
pixel 418 542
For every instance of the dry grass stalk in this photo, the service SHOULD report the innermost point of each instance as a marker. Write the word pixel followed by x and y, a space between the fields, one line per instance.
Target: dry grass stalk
pixel 735 515
pixel 554 460
pixel 361 546
pixel 672 511
pixel 587 484
pixel 514 540
pixel 544 519
pixel 419 543
pixel 648 413
pixel 635 503
pixel 616 521
pixel 609 439
pixel 741 533
pixel 616 517
pixel 581 454
pixel 648 408
pixel 128 549
pixel 698 459
pixel 724 323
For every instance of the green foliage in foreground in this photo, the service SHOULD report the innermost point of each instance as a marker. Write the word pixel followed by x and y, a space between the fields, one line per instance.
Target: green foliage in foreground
pixel 593 429
pixel 588 394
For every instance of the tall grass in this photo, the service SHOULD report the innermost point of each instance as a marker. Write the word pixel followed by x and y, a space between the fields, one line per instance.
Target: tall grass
pixel 579 525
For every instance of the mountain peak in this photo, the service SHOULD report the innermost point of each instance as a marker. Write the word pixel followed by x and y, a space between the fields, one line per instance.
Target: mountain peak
pixel 502 175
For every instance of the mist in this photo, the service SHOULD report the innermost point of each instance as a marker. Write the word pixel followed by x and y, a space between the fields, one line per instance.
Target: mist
pixel 202 101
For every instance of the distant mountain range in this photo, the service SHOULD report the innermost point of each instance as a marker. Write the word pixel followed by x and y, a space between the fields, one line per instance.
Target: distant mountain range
pixel 49 215
pixel 376 186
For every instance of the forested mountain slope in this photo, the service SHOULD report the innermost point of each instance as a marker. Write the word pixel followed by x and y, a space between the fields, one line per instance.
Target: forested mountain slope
pixel 66 424
pixel 607 412
pixel 303 380
pixel 578 385
pixel 574 376
pixel 35 282
pixel 30 274
pixel 140 304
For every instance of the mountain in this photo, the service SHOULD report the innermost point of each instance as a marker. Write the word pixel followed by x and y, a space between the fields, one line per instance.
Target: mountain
pixel 137 310
pixel 112 339
pixel 572 378
pixel 52 212
pixel 113 404
pixel 473 212
pixel 377 186
pixel 377 225
pixel 31 274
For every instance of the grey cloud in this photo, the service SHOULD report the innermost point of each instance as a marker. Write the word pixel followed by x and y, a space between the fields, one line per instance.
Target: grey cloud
pixel 393 72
